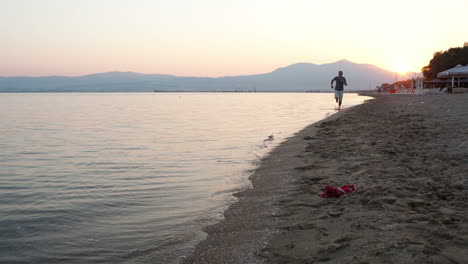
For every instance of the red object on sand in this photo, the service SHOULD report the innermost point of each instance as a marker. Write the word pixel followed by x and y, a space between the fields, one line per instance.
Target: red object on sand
pixel 331 191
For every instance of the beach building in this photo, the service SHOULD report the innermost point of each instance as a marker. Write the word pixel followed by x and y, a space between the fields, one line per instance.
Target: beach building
pixel 436 83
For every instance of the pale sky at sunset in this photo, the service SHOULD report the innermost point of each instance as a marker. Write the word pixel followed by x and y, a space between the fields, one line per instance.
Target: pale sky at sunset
pixel 219 37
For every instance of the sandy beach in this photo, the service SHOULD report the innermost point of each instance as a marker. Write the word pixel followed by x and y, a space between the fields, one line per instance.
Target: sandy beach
pixel 407 156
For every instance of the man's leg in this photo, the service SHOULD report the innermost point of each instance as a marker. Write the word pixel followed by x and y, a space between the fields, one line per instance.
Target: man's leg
pixel 340 98
pixel 336 96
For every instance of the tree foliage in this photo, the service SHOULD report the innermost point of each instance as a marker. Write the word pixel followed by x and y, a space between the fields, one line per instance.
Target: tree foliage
pixel 444 60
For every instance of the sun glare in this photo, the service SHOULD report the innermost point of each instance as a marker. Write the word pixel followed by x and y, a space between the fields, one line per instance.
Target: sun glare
pixel 403 68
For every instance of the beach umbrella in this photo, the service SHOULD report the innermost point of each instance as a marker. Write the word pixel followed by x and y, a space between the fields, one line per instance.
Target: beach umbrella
pixel 458 71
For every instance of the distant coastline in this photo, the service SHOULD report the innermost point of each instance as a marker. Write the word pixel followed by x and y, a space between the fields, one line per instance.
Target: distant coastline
pixel 300 77
pixel 202 91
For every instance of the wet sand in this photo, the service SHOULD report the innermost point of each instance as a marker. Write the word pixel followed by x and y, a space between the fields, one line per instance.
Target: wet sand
pixel 408 157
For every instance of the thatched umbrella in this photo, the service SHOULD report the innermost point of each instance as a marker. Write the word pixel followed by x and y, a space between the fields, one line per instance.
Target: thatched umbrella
pixel 458 71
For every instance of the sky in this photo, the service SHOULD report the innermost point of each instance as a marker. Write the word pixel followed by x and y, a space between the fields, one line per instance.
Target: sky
pixel 222 38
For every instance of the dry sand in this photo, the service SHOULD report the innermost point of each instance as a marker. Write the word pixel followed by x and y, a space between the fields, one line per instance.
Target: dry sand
pixel 408 157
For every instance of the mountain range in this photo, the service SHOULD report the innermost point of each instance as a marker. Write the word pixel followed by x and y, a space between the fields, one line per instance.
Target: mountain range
pixel 298 77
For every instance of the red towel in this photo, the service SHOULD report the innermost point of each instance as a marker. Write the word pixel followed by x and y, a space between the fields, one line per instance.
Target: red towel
pixel 331 191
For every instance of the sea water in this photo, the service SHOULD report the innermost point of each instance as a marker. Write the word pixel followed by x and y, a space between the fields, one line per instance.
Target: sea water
pixel 132 177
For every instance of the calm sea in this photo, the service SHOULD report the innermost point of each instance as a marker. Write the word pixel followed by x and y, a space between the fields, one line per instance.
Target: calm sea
pixel 132 177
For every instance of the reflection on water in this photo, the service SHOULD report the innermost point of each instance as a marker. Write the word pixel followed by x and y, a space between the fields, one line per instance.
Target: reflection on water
pixel 131 178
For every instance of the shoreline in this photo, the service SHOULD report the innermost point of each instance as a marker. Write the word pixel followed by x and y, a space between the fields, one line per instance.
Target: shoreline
pixel 240 235
pixel 409 169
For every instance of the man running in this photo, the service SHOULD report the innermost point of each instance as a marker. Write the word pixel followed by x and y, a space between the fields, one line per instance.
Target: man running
pixel 340 80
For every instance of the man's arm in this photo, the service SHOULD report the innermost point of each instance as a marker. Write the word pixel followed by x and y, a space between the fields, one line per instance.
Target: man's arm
pixel 332 82
pixel 345 83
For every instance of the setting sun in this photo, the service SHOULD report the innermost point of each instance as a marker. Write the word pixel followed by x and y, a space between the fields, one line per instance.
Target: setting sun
pixel 402 68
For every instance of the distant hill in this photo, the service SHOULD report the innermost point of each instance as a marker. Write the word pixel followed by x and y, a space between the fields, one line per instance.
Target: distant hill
pixel 293 78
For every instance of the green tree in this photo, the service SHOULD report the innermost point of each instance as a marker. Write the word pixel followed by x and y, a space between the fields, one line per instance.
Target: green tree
pixel 444 60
